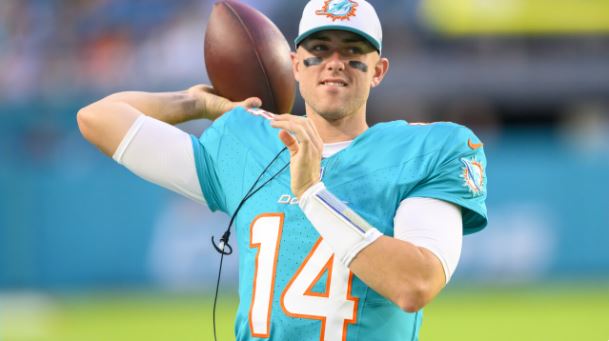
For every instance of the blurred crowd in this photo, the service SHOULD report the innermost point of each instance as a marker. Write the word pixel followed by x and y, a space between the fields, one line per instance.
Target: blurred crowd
pixel 58 48
pixel 66 49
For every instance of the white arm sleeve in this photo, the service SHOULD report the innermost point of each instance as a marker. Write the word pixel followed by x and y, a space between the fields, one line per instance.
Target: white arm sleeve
pixel 162 154
pixel 433 224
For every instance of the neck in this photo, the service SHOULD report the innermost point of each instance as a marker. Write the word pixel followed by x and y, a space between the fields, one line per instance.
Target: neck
pixel 343 129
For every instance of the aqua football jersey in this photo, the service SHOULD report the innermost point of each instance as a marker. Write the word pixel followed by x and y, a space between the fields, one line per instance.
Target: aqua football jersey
pixel 290 286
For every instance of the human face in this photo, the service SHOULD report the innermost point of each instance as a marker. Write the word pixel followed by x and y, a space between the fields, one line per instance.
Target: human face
pixel 338 83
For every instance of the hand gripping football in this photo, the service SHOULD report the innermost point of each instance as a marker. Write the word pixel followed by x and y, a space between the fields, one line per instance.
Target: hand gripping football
pixel 246 55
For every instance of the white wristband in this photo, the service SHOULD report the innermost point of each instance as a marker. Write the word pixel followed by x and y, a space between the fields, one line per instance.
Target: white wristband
pixel 344 230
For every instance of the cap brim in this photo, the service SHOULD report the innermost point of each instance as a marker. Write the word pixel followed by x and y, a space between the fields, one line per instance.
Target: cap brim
pixel 366 36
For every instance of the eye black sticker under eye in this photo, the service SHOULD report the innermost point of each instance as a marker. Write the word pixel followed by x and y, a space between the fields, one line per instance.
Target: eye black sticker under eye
pixel 356 64
pixel 312 61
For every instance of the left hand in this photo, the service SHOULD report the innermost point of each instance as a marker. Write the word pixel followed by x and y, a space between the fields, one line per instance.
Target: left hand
pixel 305 145
pixel 211 105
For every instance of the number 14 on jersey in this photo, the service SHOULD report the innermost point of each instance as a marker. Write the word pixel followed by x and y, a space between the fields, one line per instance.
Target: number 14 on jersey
pixel 335 307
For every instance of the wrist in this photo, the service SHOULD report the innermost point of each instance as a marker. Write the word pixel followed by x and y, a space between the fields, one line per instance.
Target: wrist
pixel 196 100
pixel 312 188
pixel 345 231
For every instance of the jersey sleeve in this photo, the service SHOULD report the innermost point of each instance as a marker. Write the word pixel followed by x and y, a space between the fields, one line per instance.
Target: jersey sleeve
pixel 205 156
pixel 457 174
pixel 219 157
pixel 228 152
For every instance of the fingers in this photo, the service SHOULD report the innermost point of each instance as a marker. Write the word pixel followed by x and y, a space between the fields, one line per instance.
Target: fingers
pixel 252 102
pixel 202 88
pixel 214 105
pixel 217 105
pixel 296 130
pixel 289 141
pixel 314 133
pixel 301 128
pixel 208 88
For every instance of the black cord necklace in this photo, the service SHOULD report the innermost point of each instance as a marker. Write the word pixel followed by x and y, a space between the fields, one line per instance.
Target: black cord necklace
pixel 221 247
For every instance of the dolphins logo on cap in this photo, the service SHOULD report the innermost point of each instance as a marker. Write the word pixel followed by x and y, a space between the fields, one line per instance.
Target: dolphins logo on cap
pixel 338 9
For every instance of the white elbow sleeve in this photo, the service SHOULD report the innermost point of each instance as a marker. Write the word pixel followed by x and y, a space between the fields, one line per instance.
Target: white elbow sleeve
pixel 433 224
pixel 344 230
pixel 162 154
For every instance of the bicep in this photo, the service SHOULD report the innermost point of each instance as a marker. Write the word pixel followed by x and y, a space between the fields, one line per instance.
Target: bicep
pixel 162 154
pixel 433 224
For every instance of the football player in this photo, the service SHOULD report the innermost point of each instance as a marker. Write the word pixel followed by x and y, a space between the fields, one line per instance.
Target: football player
pixel 345 231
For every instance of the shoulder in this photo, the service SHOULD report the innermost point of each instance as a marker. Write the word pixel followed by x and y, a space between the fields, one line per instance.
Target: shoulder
pixel 242 123
pixel 453 169
pixel 454 138
pixel 438 131
pixel 242 130
pixel 437 137
pixel 421 130
pixel 241 115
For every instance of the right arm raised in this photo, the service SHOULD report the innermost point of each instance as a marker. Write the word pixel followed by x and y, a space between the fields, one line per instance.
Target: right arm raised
pixel 135 129
pixel 104 123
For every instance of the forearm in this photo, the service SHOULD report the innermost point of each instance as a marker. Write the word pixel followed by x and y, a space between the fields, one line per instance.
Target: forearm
pixel 170 107
pixel 104 123
pixel 408 275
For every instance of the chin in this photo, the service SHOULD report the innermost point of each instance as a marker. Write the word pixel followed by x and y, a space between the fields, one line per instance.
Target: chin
pixel 331 109
pixel 332 114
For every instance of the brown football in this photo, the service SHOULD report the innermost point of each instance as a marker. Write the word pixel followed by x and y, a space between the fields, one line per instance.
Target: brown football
pixel 246 55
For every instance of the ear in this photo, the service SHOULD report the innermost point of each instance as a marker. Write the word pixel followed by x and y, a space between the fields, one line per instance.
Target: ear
pixel 380 70
pixel 295 66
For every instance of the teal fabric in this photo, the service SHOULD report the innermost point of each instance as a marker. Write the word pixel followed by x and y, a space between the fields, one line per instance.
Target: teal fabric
pixel 383 166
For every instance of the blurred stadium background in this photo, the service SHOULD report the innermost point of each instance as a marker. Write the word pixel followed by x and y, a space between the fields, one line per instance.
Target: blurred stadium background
pixel 90 252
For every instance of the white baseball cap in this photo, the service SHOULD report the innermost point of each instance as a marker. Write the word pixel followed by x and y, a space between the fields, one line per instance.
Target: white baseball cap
pixel 356 16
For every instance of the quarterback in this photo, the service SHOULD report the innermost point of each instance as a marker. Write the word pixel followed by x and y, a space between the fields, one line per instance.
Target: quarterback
pixel 345 231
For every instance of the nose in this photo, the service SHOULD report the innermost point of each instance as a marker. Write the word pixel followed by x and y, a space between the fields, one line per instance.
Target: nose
pixel 335 62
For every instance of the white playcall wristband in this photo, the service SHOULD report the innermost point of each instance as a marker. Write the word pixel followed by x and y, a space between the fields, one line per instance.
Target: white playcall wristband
pixel 344 230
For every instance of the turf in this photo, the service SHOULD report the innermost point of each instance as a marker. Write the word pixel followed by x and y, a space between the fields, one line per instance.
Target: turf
pixel 540 313
pixel 567 312
pixel 121 316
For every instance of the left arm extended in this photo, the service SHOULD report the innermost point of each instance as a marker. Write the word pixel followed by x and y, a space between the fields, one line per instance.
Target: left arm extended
pixel 428 237
pixel 409 269
pixel 412 268
pixel 408 275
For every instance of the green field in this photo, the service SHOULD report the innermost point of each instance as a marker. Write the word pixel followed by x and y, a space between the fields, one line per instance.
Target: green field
pixel 541 313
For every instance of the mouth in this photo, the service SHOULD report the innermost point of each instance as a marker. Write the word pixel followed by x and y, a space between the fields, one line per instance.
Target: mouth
pixel 334 82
